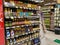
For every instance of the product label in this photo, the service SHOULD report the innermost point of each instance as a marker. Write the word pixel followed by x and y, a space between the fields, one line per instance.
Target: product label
pixel 12 34
pixel 2 34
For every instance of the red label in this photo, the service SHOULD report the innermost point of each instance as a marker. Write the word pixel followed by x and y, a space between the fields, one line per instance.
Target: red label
pixel 2 32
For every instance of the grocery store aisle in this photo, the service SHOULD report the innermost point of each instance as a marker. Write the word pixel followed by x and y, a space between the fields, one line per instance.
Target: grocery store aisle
pixel 49 38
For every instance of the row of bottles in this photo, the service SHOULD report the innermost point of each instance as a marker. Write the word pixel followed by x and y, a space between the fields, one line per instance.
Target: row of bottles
pixel 17 12
pixel 20 4
pixel 20 21
pixel 29 39
pixel 17 31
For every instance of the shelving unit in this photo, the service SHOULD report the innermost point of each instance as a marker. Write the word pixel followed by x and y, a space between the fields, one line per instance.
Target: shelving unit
pixel 49 17
pixel 57 17
pixel 46 12
pixel 22 23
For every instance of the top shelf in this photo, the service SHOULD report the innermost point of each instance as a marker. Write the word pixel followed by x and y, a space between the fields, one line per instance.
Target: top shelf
pixel 30 1
pixel 26 6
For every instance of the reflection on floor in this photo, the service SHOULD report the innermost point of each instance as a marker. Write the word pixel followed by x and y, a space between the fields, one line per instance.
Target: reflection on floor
pixel 50 37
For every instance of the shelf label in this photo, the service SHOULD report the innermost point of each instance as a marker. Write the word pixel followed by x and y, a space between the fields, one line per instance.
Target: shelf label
pixel 2 34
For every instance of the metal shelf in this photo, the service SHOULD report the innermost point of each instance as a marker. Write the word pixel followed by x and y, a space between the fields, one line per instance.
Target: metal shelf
pixel 24 34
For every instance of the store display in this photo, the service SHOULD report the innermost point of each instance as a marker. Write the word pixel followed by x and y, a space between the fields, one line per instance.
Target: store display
pixel 21 23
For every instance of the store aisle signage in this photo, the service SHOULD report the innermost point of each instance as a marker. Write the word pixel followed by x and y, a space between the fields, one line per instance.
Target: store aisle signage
pixel 2 38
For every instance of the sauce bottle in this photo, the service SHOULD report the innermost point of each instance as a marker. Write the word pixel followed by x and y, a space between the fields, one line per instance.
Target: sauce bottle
pixel 7 34
pixel 12 34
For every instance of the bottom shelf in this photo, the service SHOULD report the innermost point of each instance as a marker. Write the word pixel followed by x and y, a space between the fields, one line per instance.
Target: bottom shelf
pixel 31 38
pixel 29 44
pixel 32 41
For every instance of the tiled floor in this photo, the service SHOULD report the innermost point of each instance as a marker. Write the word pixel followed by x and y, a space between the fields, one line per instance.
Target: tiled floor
pixel 49 38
